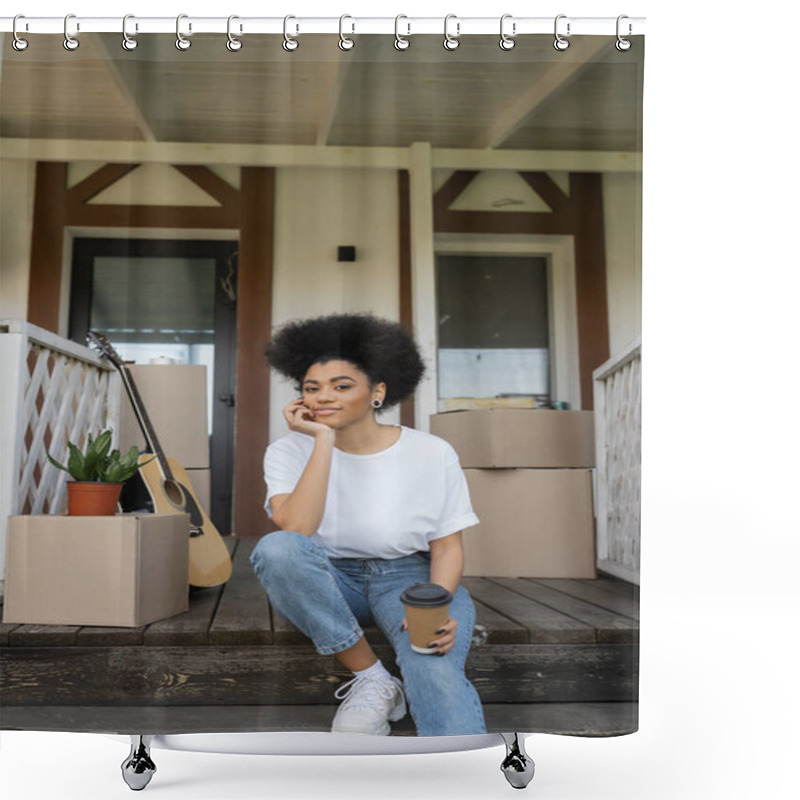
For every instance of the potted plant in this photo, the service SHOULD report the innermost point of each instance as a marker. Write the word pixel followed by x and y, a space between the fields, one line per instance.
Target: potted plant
pixel 97 476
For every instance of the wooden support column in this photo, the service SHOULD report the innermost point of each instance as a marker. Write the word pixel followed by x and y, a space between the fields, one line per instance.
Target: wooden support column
pixel 407 415
pixel 586 210
pixel 254 323
pixel 47 245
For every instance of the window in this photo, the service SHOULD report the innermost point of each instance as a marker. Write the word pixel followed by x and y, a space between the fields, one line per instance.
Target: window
pixel 493 326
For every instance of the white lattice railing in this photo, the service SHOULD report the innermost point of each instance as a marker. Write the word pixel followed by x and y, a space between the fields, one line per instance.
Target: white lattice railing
pixel 618 435
pixel 53 391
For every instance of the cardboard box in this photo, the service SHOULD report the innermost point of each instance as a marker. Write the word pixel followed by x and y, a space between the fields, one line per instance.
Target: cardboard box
pixel 479 403
pixel 174 396
pixel 126 570
pixel 515 437
pixel 534 523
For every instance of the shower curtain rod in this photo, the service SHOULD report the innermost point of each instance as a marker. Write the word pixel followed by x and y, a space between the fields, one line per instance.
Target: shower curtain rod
pixel 452 26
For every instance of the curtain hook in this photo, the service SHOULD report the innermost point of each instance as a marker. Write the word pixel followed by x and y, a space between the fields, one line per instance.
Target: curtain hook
pixel 344 42
pixel 561 43
pixel 623 44
pixel 290 44
pixel 400 42
pixel 18 43
pixel 70 42
pixel 128 41
pixel 507 42
pixel 451 42
pixel 233 44
pixel 182 43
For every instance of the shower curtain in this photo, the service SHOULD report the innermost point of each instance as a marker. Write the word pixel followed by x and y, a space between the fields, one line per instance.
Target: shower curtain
pixel 189 199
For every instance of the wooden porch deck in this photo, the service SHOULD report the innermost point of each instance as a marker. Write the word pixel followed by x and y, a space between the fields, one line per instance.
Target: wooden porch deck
pixel 560 656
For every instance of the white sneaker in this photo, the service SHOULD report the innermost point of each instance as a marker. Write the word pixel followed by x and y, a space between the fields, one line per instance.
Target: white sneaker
pixel 369 704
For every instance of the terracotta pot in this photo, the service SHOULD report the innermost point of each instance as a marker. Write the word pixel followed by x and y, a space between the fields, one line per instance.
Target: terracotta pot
pixel 90 499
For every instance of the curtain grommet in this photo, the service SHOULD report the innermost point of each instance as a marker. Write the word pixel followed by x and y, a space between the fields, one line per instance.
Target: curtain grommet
pixel 128 42
pixel 345 43
pixel 561 43
pixel 623 44
pixel 451 41
pixel 70 42
pixel 401 42
pixel 290 43
pixel 181 42
pixel 18 43
pixel 507 41
pixel 233 44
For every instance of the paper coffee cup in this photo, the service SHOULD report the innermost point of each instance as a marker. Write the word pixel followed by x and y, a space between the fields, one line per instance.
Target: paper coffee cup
pixel 427 607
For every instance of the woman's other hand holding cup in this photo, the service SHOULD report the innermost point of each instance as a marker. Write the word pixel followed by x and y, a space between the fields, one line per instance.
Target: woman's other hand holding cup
pixel 447 639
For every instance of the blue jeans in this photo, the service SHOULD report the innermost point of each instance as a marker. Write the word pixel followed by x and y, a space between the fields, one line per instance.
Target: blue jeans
pixel 329 599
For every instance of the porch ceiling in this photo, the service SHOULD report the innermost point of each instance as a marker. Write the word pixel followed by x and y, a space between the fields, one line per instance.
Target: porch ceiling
pixel 587 98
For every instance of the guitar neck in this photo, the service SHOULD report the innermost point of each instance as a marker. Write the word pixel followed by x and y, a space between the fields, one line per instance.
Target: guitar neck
pixel 144 421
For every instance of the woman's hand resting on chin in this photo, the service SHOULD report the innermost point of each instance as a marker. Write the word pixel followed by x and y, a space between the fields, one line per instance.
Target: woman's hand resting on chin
pixel 300 418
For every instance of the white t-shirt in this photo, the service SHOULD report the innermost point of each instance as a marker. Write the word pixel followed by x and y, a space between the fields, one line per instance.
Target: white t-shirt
pixel 382 505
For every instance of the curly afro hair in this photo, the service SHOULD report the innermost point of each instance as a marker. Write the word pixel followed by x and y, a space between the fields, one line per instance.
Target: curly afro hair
pixel 382 349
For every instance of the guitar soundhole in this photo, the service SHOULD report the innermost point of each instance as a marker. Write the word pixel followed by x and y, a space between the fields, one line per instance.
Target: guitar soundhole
pixel 181 498
pixel 174 494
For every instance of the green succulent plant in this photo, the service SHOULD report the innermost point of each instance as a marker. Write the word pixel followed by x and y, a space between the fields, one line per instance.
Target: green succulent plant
pixel 99 463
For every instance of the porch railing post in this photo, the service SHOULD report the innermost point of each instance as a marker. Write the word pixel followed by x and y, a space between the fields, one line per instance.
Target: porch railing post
pixel 51 390
pixel 617 404
pixel 13 348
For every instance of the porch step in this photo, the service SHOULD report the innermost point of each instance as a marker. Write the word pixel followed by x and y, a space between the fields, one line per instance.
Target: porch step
pixel 578 719
pixel 548 641
pixel 295 675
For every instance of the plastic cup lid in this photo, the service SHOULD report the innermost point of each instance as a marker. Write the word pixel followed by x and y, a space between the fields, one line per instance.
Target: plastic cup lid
pixel 426 595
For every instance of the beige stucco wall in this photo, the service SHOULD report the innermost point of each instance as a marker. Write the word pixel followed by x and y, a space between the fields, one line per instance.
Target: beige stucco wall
pixel 16 222
pixel 316 211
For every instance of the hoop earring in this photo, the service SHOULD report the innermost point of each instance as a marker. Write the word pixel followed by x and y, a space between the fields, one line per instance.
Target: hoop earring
pixel 376 402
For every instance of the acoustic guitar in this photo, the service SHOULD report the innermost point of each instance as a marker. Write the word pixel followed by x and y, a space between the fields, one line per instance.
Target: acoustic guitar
pixel 170 488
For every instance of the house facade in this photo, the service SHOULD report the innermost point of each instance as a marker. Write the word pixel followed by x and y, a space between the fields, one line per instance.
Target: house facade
pixel 413 198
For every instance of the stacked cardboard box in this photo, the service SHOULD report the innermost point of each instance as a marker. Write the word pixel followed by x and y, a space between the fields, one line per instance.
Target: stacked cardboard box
pixel 127 570
pixel 529 473
pixel 174 396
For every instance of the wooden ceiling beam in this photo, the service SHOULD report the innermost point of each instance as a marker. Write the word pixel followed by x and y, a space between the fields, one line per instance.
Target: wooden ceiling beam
pixel 310 156
pixel 581 53
pixel 334 94
pixel 126 93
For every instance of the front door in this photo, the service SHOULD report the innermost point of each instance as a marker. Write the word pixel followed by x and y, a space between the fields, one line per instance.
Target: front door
pixel 170 299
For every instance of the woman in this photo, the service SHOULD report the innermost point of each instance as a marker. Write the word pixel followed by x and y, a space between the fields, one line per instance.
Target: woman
pixel 366 510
